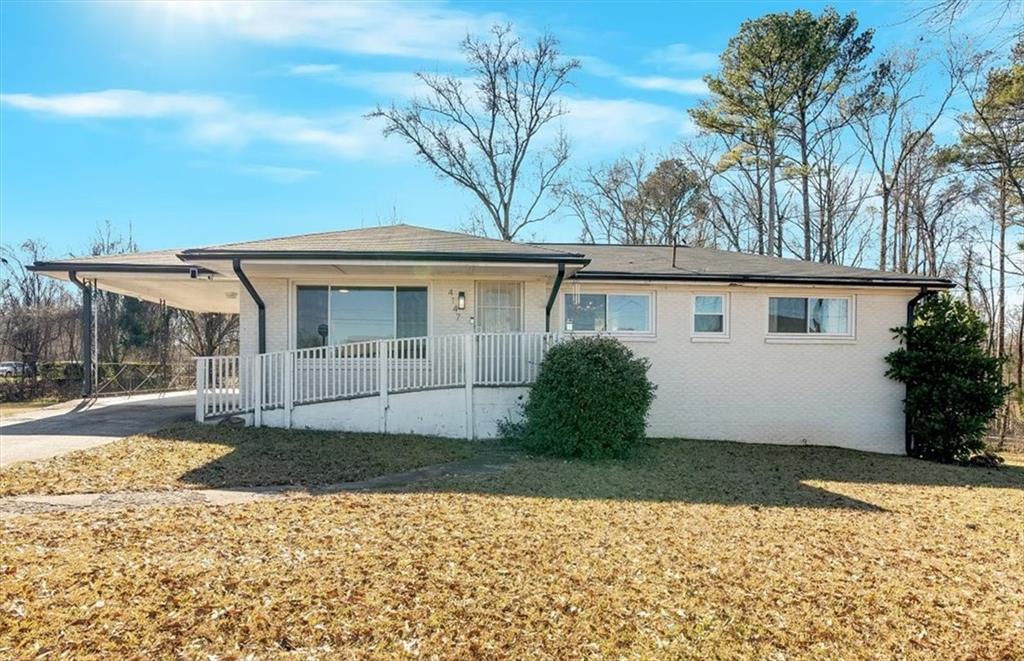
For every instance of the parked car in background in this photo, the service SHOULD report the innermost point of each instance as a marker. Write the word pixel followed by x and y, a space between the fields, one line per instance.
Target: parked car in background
pixel 12 368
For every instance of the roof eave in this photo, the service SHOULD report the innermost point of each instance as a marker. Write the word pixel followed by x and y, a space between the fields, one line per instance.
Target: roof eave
pixel 117 268
pixel 216 255
pixel 937 283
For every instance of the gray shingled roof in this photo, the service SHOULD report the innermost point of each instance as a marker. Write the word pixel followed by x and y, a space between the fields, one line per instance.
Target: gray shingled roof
pixel 151 260
pixel 655 262
pixel 605 261
pixel 389 239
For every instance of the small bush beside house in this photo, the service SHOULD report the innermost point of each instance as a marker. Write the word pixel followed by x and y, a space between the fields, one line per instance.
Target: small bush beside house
pixel 590 401
pixel 954 388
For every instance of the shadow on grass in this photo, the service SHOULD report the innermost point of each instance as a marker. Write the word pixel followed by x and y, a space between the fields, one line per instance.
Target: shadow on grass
pixel 267 456
pixel 715 472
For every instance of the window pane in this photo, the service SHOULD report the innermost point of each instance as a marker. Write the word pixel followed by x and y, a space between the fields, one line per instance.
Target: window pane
pixel 708 323
pixel 311 312
pixel 499 308
pixel 362 313
pixel 629 313
pixel 707 304
pixel 585 312
pixel 787 315
pixel 829 315
pixel 411 308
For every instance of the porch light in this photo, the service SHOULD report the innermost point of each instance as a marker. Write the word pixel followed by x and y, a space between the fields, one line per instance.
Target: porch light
pixel 461 304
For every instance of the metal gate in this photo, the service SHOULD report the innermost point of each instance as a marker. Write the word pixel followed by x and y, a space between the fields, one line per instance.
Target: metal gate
pixel 137 378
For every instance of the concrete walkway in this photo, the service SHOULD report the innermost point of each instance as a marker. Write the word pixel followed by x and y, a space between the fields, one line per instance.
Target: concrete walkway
pixel 489 461
pixel 79 424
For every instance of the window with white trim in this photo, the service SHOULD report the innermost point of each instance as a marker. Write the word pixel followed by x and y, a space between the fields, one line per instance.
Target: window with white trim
pixel 709 312
pixel 809 316
pixel 327 315
pixel 613 313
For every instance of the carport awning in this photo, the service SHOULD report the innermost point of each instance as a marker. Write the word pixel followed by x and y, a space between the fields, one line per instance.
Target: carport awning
pixel 159 276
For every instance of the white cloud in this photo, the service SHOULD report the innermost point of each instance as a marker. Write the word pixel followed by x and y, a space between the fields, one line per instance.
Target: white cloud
pixel 117 103
pixel 598 67
pixel 423 29
pixel 313 69
pixel 277 173
pixel 385 83
pixel 683 57
pixel 594 124
pixel 610 124
pixel 214 121
pixel 667 84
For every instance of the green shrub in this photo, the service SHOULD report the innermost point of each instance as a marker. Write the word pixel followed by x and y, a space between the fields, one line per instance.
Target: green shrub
pixel 590 400
pixel 954 388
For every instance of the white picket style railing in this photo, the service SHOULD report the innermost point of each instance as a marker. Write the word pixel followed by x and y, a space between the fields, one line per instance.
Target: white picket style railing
pixel 231 385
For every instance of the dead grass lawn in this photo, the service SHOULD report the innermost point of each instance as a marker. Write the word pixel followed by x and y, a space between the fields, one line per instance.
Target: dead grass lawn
pixel 692 550
pixel 204 456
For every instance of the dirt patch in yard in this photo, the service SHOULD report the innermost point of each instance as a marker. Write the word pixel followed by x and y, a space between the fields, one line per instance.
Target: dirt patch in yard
pixel 689 550
pixel 203 456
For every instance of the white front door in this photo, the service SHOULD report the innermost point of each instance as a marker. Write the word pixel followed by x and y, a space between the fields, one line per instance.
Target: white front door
pixel 499 307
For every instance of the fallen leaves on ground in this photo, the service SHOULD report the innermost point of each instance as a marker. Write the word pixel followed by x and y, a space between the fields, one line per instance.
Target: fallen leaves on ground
pixel 202 456
pixel 689 549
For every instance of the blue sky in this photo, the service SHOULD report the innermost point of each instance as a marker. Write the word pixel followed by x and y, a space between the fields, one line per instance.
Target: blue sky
pixel 208 123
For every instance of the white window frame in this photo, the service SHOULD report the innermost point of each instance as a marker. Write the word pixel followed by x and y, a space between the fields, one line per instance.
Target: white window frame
pixel 807 337
pixel 651 314
pixel 293 303
pixel 707 336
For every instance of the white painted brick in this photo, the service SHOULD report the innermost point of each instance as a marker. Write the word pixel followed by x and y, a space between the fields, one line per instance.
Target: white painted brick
pixel 741 390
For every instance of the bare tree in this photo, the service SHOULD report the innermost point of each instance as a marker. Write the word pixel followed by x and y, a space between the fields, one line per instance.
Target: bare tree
pixel 37 314
pixel 631 202
pixel 207 333
pixel 839 198
pixel 485 135
pixel 889 126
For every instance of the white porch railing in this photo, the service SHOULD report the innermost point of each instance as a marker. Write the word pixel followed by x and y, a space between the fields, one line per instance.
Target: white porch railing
pixel 229 385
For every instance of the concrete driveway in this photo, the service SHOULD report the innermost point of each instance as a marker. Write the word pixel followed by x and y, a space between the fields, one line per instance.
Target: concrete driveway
pixel 63 428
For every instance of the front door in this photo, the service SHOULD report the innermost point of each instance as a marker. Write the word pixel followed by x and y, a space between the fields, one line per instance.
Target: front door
pixel 499 313
pixel 499 307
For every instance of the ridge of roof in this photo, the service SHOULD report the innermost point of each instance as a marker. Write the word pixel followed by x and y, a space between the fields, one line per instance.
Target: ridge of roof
pixel 306 243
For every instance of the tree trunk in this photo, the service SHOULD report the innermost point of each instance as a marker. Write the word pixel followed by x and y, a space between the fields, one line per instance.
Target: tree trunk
pixel 771 195
pixel 1020 347
pixel 805 175
pixel 884 231
pixel 1002 267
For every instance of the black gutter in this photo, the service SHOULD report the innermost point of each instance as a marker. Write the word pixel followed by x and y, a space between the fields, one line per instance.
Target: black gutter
pixel 763 279
pixel 553 296
pixel 908 435
pixel 118 268
pixel 87 338
pixel 568 258
pixel 236 265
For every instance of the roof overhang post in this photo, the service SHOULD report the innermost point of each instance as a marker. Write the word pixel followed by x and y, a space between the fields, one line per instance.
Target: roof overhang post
pixel 261 309
pixel 553 296
pixel 908 434
pixel 87 338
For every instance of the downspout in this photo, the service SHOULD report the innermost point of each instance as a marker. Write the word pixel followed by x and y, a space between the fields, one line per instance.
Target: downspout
pixel 87 338
pixel 908 436
pixel 553 296
pixel 261 309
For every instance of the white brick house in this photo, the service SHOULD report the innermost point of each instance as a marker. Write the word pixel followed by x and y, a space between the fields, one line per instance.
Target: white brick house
pixel 406 329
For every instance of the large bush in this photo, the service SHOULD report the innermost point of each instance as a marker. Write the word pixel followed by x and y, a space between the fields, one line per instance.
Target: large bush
pixel 590 400
pixel 954 388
